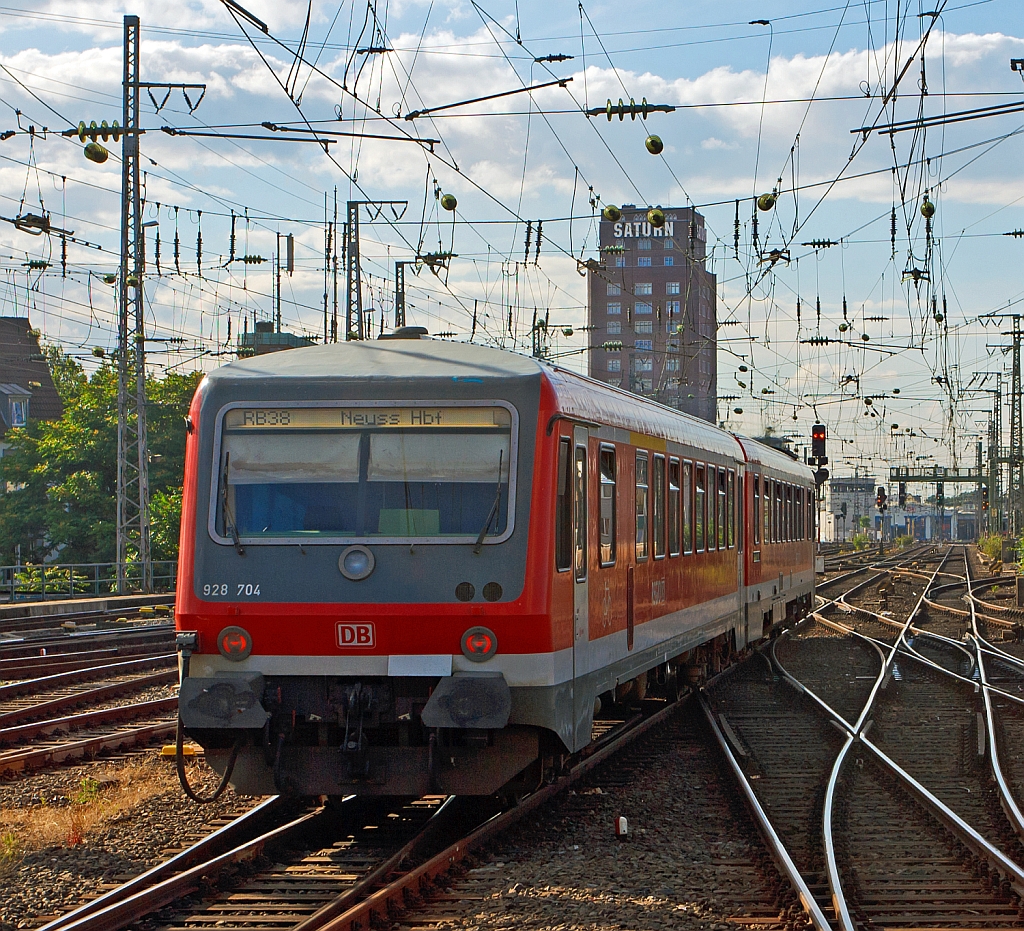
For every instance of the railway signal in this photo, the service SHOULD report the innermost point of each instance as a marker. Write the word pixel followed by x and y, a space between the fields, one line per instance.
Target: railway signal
pixel 880 498
pixel 903 495
pixel 984 497
pixel 818 443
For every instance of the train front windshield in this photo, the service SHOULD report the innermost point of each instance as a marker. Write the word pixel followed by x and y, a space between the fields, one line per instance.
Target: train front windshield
pixel 440 473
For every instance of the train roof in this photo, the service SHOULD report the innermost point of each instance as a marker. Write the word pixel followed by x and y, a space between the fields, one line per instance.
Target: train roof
pixel 576 395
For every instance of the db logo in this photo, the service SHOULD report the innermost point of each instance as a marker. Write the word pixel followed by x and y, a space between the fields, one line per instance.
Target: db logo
pixel 355 635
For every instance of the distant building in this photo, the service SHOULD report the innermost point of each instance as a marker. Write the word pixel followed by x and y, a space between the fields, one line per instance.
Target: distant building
pixel 847 500
pixel 27 392
pixel 651 310
pixel 265 338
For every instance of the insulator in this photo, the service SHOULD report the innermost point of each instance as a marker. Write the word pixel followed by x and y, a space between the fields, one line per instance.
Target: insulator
pixel 159 273
pixel 253 259
pixel 199 245
pixel 529 238
pixel 96 153
pixel 231 241
pixel 37 264
pixel 736 233
pixel 540 236
pixel 63 256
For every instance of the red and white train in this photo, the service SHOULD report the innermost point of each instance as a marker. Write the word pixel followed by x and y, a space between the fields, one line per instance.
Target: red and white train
pixel 414 566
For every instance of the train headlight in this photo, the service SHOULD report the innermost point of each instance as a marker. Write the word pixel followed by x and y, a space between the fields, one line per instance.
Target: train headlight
pixel 234 643
pixel 356 563
pixel 479 644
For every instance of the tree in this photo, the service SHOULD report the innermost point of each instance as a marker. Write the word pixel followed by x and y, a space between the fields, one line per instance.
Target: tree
pixel 61 476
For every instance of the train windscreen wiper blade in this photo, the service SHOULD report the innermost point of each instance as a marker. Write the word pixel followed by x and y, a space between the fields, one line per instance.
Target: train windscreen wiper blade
pixel 229 520
pixel 492 512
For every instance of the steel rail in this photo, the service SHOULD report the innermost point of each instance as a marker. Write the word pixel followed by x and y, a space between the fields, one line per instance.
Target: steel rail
pixel 34 667
pixel 119 911
pixel 1006 799
pixel 189 857
pixel 85 697
pixel 776 847
pixel 858 732
pixel 15 689
pixel 364 914
pixel 20 760
pixel 71 722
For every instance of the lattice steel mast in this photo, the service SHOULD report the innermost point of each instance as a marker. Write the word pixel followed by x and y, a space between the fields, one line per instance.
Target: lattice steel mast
pixel 133 531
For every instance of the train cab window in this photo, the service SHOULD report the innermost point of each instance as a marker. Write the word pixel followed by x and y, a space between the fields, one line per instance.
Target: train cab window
pixel 757 510
pixel 326 473
pixel 730 492
pixel 699 510
pixel 642 506
pixel 563 509
pixel 606 517
pixel 673 507
pixel 658 506
pixel 579 545
pixel 687 507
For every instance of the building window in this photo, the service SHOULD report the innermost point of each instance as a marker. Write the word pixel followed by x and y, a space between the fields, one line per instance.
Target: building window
pixel 643 307
pixel 671 345
pixel 614 308
pixel 606 526
pixel 670 260
pixel 19 412
pixel 644 326
pixel 643 244
pixel 671 287
pixel 671 365
pixel 614 289
pixel 672 308
pixel 640 385
pixel 613 327
pixel 620 261
pixel 641 506
pixel 669 244
pixel 644 287
pixel 644 261
pixel 645 364
pixel 614 365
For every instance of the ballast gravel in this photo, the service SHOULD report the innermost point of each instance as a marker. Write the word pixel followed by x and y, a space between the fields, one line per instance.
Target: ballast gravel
pixel 40 884
pixel 687 863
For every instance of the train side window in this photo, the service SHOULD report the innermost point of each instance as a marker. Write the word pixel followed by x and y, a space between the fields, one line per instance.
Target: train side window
pixel 776 511
pixel 709 510
pixel 607 504
pixel 766 506
pixel 730 520
pixel 757 510
pixel 699 510
pixel 563 509
pixel 687 507
pixel 723 541
pixel 580 523
pixel 642 506
pixel 673 507
pixel 788 520
pixel 798 510
pixel 658 506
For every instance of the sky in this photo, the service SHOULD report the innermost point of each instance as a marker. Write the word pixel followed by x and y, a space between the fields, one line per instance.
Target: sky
pixel 910 321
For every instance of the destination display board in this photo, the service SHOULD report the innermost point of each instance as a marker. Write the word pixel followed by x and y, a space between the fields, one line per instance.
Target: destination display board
pixel 363 418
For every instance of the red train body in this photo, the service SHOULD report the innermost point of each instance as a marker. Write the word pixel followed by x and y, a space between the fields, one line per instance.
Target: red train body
pixel 411 566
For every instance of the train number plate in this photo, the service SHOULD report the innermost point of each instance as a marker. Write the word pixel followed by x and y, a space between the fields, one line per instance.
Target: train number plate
pixel 356 635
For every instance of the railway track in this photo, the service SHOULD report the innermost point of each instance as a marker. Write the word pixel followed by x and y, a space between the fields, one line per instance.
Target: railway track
pixel 865 747
pixel 345 866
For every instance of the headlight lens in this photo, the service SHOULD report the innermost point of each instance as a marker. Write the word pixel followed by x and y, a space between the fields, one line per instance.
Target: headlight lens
pixel 356 563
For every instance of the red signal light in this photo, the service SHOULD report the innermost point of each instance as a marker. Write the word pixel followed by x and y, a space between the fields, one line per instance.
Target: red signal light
pixel 234 643
pixel 479 644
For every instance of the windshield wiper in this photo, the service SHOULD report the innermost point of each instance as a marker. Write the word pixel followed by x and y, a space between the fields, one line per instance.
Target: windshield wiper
pixel 229 520
pixel 492 512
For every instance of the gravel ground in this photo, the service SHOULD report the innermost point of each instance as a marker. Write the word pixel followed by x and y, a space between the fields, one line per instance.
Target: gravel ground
pixel 42 883
pixel 688 864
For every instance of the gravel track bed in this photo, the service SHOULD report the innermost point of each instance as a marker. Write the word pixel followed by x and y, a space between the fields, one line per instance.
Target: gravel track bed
pixel 153 693
pixel 839 668
pixel 41 883
pixel 689 864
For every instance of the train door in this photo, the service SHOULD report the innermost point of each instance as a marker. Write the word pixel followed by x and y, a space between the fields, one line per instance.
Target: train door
pixel 580 566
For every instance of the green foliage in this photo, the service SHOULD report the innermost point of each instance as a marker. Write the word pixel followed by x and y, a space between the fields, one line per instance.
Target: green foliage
pixel 58 581
pixel 991 545
pixel 62 476
pixel 904 542
pixel 88 791
pixel 864 521
pixel 860 541
pixel 10 851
